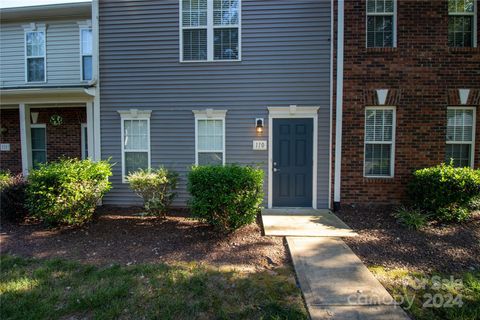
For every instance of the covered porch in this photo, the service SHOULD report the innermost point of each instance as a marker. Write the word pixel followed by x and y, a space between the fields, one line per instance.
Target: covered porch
pixel 45 124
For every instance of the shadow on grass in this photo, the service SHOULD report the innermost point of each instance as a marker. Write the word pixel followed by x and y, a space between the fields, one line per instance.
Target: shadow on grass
pixel 60 289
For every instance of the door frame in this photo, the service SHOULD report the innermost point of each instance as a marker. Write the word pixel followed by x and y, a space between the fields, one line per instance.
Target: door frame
pixel 292 112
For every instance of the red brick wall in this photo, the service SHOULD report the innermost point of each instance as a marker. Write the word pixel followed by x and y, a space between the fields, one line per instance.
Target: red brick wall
pixel 10 160
pixel 62 141
pixel 423 74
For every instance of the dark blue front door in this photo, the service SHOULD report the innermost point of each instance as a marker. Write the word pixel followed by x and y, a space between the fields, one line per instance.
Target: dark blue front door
pixel 292 162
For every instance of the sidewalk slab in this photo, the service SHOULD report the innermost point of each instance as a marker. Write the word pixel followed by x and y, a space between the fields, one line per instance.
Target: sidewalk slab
pixel 336 284
pixel 304 223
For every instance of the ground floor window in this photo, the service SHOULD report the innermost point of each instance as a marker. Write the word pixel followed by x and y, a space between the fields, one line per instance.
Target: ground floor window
pixel 460 136
pixel 84 140
pixel 379 141
pixel 135 141
pixel 38 135
pixel 210 137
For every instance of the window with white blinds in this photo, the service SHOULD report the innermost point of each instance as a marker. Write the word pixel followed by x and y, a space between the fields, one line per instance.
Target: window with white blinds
pixel 460 136
pixel 381 23
pixel 379 141
pixel 135 145
pixel 210 141
pixel 35 56
pixel 210 30
pixel 86 53
pixel 462 22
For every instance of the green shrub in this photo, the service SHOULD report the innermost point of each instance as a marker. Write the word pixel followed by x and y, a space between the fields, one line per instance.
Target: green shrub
pixel 156 188
pixel 67 191
pixel 5 178
pixel 411 218
pixel 445 191
pixel 227 197
pixel 12 198
pixel 474 204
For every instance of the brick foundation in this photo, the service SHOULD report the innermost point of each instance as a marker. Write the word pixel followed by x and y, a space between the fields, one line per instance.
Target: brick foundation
pixel 423 75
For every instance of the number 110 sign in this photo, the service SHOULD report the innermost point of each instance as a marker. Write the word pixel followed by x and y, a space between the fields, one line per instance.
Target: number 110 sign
pixel 259 144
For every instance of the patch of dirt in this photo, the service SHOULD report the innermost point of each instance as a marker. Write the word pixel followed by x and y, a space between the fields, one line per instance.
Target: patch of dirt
pixel 382 241
pixel 120 235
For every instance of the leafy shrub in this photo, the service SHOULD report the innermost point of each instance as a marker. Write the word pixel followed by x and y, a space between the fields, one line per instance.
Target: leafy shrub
pixel 474 204
pixel 155 187
pixel 227 197
pixel 5 178
pixel 12 198
pixel 67 191
pixel 445 191
pixel 411 218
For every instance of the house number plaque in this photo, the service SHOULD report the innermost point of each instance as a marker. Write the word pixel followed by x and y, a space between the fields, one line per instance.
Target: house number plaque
pixel 259 144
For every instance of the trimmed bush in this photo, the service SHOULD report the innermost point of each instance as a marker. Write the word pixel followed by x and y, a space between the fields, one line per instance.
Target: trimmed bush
pixel 156 188
pixel 67 191
pixel 12 198
pixel 226 197
pixel 445 191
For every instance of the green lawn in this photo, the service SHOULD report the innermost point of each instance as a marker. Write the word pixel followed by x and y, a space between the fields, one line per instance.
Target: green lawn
pixel 52 289
pixel 434 296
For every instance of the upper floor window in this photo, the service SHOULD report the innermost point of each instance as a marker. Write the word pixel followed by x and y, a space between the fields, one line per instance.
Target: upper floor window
pixel 210 30
pixel 86 53
pixel 462 22
pixel 379 141
pixel 35 56
pixel 460 136
pixel 381 23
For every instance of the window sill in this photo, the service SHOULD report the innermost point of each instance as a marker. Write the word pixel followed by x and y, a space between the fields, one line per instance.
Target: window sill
pixel 378 180
pixel 209 61
pixel 380 50
pixel 460 50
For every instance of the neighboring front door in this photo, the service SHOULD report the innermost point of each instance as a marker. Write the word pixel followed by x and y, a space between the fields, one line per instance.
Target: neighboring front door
pixel 292 162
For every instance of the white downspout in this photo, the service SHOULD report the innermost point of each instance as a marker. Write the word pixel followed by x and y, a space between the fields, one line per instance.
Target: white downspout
pixel 96 69
pixel 339 106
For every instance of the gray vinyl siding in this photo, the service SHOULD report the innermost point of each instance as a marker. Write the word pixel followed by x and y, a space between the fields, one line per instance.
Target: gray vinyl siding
pixel 285 60
pixel 63 53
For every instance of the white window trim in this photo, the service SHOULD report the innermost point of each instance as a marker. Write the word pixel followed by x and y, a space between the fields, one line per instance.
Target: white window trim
pixel 84 25
pixel 83 138
pixel 394 14
pixel 210 34
pixel 35 27
pixel 293 112
pixel 392 150
pixel 475 15
pixel 210 114
pixel 474 124
pixel 33 126
pixel 134 114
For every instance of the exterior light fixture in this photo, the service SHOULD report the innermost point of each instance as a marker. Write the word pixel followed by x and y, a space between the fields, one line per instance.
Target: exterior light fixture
pixel 259 125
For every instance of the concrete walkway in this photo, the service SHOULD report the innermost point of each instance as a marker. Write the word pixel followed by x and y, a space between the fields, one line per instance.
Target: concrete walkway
pixel 304 223
pixel 335 283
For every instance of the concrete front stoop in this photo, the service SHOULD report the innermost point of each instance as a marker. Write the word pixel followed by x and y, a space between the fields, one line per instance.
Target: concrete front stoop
pixel 335 283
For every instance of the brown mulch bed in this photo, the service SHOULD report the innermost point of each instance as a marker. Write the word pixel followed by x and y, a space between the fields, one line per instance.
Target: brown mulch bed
pixel 120 235
pixel 382 241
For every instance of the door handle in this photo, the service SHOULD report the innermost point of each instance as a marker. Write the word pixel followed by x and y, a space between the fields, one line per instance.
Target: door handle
pixel 276 170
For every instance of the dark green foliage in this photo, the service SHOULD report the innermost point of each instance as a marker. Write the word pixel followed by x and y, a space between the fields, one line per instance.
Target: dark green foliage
pixel 67 191
pixel 227 197
pixel 412 218
pixel 445 191
pixel 12 198
pixel 156 188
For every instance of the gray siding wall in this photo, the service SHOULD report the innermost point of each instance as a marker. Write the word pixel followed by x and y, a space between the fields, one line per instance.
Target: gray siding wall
pixel 63 53
pixel 285 60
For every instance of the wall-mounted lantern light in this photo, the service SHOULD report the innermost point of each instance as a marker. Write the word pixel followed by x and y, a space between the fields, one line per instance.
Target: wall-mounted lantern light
pixel 259 125
pixel 34 116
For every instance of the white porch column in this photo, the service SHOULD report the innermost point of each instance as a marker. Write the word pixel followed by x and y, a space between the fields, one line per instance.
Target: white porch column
pixel 24 113
pixel 90 131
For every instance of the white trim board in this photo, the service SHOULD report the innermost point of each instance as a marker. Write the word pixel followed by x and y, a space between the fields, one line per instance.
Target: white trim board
pixel 293 112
